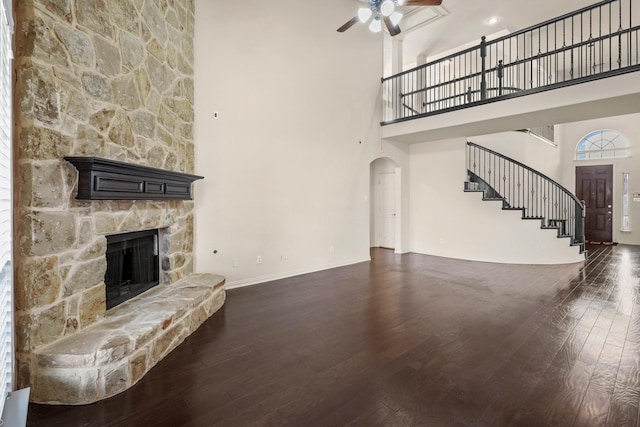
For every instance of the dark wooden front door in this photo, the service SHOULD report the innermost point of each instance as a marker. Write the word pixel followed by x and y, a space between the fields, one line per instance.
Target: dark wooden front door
pixel 594 185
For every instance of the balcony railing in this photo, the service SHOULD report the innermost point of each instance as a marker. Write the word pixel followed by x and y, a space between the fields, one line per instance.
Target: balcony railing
pixel 597 41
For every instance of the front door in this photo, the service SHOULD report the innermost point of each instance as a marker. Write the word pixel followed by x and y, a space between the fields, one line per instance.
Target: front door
pixel 387 186
pixel 594 185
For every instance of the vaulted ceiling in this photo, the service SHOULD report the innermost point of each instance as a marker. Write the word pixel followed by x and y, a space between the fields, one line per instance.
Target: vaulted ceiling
pixel 465 21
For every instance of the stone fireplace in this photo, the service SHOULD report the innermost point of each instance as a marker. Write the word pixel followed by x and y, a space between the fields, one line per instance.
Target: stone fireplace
pixel 112 80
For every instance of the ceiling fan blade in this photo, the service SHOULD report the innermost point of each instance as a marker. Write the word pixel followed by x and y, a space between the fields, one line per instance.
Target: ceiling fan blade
pixel 422 3
pixel 353 21
pixel 394 30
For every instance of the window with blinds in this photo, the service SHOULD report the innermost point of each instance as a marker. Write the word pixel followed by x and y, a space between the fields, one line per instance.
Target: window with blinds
pixel 6 271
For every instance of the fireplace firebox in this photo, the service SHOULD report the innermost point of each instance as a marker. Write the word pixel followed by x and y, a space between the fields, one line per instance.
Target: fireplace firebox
pixel 132 265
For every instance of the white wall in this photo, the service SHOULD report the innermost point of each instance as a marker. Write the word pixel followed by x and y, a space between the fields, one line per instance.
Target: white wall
pixel 286 165
pixel 629 126
pixel 448 222
pixel 526 149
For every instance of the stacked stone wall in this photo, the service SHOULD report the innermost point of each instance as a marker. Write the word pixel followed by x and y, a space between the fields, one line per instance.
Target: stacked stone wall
pixel 105 78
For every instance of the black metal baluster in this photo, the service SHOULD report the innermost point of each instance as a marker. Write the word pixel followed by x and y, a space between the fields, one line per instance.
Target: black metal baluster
pixel 600 51
pixel 620 35
pixel 610 45
pixel 397 100
pixel 549 59
pixel 525 194
pixel 539 53
pixel 545 204
pixel 537 194
pixel 629 49
pixel 514 180
pixel 434 86
pixel 530 59
pixel 582 55
pixel 571 70
pixel 405 112
pixel 592 62
pixel 534 195
pixel 564 51
pixel 529 195
pixel 395 97
pixel 411 81
pixel 520 186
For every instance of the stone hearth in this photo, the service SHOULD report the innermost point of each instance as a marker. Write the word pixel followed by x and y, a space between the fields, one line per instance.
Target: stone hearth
pixel 113 354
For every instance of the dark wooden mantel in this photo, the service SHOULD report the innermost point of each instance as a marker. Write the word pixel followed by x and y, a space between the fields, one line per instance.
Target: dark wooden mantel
pixel 103 179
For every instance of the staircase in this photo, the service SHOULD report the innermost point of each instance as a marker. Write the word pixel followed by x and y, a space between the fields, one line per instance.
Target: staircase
pixel 521 188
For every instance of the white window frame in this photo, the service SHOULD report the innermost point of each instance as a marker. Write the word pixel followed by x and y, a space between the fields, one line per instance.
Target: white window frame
pixel 7 351
pixel 626 205
pixel 612 145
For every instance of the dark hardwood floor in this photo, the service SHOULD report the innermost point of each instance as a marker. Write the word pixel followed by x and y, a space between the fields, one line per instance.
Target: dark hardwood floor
pixel 407 340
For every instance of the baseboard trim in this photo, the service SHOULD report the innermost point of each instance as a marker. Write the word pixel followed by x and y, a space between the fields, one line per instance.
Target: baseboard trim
pixel 577 259
pixel 271 277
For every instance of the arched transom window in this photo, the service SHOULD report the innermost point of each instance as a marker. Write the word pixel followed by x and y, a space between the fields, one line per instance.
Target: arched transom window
pixel 602 144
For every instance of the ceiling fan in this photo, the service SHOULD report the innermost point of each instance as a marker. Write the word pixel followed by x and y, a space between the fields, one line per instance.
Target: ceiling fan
pixel 384 10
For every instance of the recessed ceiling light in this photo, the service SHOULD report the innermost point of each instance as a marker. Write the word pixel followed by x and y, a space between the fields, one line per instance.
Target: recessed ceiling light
pixel 492 21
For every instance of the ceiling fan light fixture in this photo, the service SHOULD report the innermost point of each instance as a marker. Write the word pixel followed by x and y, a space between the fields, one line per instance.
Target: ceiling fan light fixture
pixel 376 25
pixel 387 7
pixel 395 18
pixel 364 13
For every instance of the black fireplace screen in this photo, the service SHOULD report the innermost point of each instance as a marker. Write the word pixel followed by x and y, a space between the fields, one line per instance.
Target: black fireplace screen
pixel 132 265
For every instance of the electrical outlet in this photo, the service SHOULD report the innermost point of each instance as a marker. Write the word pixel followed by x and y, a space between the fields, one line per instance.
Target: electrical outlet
pixel 331 249
pixel 216 116
pixel 283 257
pixel 259 259
pixel 235 262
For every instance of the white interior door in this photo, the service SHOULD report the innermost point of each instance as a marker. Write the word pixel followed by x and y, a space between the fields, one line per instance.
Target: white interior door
pixel 387 212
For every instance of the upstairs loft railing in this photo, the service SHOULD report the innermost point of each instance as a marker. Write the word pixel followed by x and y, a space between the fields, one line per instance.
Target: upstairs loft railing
pixel 595 42
pixel 523 188
pixel 544 133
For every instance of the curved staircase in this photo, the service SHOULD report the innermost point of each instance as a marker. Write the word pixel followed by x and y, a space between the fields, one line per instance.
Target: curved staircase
pixel 522 188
